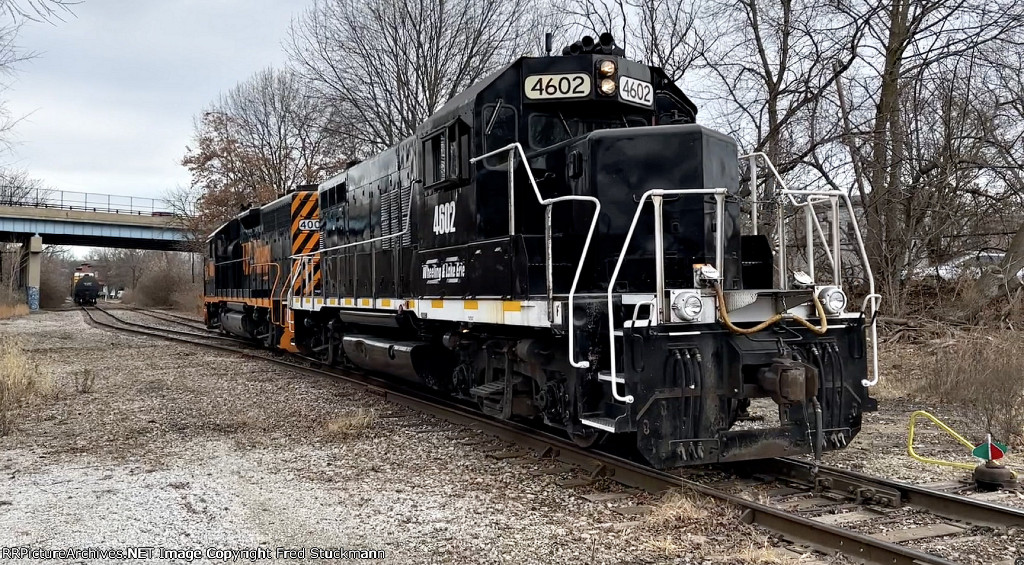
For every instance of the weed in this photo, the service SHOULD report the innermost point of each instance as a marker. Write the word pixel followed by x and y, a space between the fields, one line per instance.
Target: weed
pixel 982 372
pixel 13 310
pixel 678 507
pixel 20 380
pixel 12 304
pixel 85 381
pixel 351 423
pixel 760 555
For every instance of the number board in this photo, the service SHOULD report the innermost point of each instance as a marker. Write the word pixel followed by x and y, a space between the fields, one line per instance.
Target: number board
pixel 638 91
pixel 547 87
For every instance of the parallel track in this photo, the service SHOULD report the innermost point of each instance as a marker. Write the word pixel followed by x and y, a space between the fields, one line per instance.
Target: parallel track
pixel 173 319
pixel 142 328
pixel 823 537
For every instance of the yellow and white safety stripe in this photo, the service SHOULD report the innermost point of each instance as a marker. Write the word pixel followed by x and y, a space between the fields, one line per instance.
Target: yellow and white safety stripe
pixel 533 313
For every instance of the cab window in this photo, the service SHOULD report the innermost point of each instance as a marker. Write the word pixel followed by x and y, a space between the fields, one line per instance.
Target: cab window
pixel 500 129
pixel 446 156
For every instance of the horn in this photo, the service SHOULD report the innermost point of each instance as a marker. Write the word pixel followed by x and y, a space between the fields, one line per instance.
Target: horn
pixel 588 43
pixel 606 43
pixel 575 48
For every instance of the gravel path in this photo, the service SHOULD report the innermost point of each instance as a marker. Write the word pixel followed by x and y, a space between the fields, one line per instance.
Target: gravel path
pixel 182 448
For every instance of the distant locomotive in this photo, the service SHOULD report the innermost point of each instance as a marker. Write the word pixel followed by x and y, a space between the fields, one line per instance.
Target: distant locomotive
pixel 562 243
pixel 87 290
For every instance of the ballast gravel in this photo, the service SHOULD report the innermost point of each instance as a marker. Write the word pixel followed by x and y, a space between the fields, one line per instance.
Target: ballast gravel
pixel 183 449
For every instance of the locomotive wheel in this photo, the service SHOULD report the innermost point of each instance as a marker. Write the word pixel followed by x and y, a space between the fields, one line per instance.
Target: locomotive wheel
pixel 586 438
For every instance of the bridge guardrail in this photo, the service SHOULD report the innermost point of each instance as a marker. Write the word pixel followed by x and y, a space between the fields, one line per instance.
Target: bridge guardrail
pixel 84 201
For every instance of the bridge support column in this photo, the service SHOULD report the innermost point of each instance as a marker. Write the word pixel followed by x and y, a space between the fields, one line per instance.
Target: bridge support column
pixel 34 268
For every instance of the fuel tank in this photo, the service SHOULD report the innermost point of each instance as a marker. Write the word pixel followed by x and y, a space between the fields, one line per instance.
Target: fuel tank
pixel 237 323
pixel 414 361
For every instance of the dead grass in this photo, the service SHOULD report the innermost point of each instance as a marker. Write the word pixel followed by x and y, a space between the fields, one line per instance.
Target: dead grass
pixel 350 423
pixel 763 554
pixel 167 283
pixel 12 304
pixel 680 508
pixel 85 381
pixel 8 311
pixel 189 299
pixel 903 367
pixel 20 381
pixel 982 372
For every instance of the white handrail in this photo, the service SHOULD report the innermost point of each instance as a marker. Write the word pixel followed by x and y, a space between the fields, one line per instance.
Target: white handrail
pixel 873 297
pixel 517 147
pixel 785 190
pixel 720 192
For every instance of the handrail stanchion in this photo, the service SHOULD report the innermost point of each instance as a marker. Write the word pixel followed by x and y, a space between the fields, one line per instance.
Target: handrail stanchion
pixel 549 274
pixel 837 268
pixel 781 256
pixel 511 193
pixel 753 192
pixel 809 240
pixel 721 192
pixel 659 259
pixel 720 232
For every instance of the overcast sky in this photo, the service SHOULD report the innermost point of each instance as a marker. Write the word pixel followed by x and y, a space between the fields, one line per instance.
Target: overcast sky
pixel 107 104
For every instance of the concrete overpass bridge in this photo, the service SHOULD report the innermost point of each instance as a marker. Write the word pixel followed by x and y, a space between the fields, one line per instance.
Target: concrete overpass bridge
pixel 76 218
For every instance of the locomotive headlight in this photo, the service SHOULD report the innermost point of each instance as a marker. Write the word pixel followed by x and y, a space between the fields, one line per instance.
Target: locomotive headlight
pixel 688 306
pixel 607 87
pixel 606 68
pixel 833 299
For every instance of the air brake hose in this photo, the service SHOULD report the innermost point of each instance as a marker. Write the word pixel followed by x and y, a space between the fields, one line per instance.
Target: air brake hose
pixel 724 315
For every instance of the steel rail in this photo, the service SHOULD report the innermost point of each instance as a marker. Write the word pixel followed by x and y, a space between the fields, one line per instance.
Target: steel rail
pixel 822 537
pixel 176 332
pixel 956 507
pixel 180 320
pixel 163 312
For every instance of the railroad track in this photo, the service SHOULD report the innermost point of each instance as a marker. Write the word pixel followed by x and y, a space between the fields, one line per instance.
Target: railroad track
pixel 157 332
pixel 173 319
pixel 830 510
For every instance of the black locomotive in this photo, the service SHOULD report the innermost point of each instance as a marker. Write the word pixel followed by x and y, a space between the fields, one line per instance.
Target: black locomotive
pixel 563 243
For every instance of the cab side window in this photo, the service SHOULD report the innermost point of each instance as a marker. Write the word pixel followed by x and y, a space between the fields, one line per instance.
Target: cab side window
pixel 500 129
pixel 446 156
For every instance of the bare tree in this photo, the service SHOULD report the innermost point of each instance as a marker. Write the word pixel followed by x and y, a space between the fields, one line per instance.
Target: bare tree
pixel 907 104
pixel 17 188
pixel 185 203
pixel 914 137
pixel 14 13
pixel 256 142
pixel 384 66
pixel 662 33
pixel 121 268
pixel 1004 181
pixel 36 10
